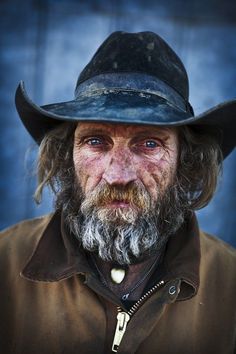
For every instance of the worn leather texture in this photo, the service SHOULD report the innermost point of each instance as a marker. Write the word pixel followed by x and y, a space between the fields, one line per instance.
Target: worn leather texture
pixel 52 302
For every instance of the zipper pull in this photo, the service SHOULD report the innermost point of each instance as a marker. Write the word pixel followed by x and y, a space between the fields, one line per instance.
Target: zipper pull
pixel 122 320
pixel 125 297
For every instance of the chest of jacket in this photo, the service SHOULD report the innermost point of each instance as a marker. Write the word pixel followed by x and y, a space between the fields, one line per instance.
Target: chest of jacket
pixel 68 317
pixel 68 314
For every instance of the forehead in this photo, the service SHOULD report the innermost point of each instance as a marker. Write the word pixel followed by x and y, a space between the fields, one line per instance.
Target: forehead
pixel 124 130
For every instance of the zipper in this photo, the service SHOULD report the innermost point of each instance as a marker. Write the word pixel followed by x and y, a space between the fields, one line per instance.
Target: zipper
pixel 124 317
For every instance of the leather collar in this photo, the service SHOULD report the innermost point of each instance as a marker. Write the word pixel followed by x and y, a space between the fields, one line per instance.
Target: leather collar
pixel 58 256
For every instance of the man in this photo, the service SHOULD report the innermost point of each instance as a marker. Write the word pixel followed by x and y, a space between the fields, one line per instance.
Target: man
pixel 121 265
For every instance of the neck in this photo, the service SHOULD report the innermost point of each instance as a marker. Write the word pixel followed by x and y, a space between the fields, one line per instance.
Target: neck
pixel 133 274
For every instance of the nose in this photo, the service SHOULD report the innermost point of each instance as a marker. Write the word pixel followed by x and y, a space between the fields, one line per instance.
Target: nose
pixel 120 170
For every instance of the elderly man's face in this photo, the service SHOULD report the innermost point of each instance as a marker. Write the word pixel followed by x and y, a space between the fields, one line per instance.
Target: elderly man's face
pixel 119 154
pixel 126 204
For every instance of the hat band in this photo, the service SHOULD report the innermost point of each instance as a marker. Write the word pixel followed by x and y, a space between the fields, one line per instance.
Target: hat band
pixel 137 82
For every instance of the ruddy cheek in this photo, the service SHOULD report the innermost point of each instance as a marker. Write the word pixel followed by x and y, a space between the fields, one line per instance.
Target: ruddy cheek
pixel 154 175
pixel 88 170
pixel 145 174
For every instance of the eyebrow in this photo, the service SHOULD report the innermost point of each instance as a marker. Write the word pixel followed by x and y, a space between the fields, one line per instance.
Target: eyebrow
pixel 91 131
pixel 151 132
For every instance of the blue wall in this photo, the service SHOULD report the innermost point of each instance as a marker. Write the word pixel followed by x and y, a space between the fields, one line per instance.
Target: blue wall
pixel 47 43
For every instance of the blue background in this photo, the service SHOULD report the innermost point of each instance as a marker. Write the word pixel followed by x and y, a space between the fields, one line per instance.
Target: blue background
pixel 47 43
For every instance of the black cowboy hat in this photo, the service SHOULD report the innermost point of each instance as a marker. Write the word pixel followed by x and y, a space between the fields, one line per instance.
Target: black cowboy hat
pixel 133 78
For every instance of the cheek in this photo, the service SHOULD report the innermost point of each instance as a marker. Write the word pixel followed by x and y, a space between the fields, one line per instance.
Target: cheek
pixel 147 173
pixel 155 175
pixel 88 169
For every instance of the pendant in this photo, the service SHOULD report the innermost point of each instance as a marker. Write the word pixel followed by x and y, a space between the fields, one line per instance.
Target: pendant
pixel 117 275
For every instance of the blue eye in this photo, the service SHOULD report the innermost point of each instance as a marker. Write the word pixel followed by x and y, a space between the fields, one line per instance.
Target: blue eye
pixel 94 141
pixel 151 144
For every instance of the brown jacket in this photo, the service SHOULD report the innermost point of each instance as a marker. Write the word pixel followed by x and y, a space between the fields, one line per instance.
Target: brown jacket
pixel 51 302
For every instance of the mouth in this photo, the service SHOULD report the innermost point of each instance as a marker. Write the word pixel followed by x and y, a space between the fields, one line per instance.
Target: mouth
pixel 119 204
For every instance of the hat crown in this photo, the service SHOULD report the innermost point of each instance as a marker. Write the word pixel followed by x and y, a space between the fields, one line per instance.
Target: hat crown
pixel 143 52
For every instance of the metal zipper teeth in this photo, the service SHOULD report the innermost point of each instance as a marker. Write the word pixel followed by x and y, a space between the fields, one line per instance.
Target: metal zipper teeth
pixel 137 305
pixel 124 317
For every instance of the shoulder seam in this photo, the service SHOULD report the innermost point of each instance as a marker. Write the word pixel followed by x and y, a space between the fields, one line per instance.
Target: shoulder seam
pixel 23 222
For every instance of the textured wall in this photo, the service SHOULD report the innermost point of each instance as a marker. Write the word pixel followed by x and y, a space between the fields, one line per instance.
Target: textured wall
pixel 47 43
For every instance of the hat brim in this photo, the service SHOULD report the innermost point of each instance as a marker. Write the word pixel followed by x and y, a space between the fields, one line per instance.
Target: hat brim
pixel 127 107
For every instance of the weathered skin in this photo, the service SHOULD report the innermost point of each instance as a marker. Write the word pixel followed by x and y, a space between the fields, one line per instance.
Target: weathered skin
pixel 120 154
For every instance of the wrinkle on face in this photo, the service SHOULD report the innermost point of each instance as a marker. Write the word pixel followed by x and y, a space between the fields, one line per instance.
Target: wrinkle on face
pixel 122 160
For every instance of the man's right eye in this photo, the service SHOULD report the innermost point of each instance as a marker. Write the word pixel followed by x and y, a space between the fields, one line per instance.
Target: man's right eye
pixel 94 141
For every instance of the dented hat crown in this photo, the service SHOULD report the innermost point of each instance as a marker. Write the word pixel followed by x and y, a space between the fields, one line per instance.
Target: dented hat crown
pixel 133 78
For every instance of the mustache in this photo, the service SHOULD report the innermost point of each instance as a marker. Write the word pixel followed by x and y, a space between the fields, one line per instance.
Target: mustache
pixel 135 194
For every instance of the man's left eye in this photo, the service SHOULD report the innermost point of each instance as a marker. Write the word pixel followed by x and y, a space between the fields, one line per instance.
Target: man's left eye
pixel 151 144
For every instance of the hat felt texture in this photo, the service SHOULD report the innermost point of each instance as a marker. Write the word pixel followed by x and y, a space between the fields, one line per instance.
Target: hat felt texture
pixel 133 78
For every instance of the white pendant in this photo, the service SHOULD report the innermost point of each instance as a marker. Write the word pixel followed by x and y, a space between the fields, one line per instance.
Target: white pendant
pixel 117 275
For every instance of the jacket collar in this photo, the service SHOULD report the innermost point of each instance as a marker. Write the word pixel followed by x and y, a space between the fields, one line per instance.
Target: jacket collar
pixel 58 256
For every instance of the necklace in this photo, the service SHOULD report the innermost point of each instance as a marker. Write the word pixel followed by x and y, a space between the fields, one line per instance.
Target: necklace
pixel 117 275
pixel 125 296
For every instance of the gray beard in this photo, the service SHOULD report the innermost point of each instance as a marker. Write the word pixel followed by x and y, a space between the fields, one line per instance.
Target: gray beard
pixel 124 237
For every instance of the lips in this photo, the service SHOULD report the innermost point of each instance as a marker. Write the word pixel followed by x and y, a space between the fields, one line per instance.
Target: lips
pixel 119 204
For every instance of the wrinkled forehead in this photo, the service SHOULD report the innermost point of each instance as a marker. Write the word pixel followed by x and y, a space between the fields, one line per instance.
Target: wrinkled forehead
pixel 123 130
